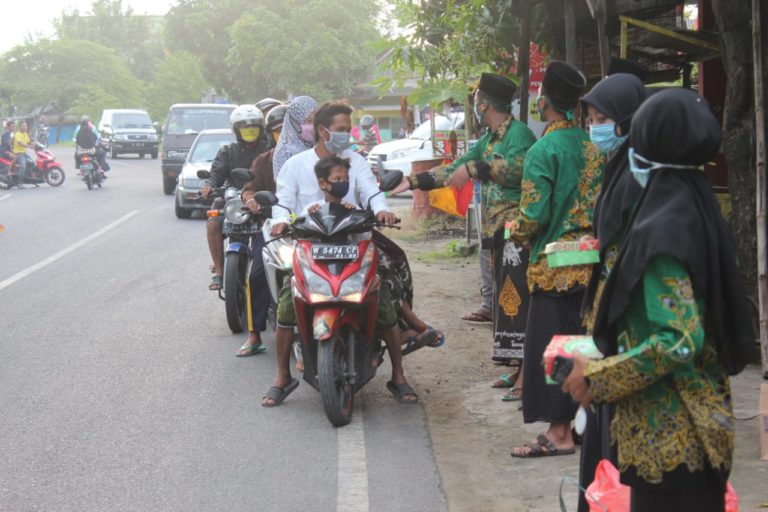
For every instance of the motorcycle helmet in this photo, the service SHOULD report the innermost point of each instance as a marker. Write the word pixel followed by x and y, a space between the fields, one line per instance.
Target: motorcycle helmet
pixel 267 104
pixel 366 122
pixel 248 123
pixel 275 119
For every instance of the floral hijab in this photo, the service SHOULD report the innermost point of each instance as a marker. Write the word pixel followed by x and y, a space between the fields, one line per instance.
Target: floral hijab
pixel 290 142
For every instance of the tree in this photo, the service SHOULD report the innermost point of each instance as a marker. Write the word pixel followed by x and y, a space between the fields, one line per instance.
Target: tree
pixel 61 75
pixel 133 37
pixel 276 47
pixel 166 88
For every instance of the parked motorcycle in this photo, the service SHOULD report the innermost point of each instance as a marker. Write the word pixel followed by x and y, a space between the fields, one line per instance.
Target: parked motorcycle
pixel 335 292
pixel 43 168
pixel 240 226
pixel 92 175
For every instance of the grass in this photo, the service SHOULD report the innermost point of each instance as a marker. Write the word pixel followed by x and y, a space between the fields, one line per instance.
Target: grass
pixel 455 250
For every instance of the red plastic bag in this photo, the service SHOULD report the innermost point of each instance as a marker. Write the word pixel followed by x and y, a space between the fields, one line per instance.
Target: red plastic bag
pixel 606 493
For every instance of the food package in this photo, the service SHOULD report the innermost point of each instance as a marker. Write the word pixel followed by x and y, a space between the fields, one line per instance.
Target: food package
pixel 558 355
pixel 764 421
pixel 564 254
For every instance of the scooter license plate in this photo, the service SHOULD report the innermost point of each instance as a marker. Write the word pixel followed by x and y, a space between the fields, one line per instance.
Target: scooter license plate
pixel 334 252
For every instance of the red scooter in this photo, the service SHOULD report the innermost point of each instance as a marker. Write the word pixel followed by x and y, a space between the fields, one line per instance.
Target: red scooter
pixel 43 168
pixel 336 294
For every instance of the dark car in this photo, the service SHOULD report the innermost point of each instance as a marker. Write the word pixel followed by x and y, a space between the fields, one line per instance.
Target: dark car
pixel 184 122
pixel 128 131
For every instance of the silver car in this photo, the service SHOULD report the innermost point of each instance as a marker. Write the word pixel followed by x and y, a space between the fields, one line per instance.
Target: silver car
pixel 200 157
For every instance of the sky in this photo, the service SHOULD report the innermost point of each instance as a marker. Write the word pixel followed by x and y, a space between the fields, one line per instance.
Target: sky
pixel 36 16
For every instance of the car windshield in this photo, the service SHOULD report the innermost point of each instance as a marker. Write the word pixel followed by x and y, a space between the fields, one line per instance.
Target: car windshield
pixel 442 123
pixel 207 146
pixel 195 120
pixel 138 120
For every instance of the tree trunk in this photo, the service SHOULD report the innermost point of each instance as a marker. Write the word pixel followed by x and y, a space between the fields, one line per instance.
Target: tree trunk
pixel 732 19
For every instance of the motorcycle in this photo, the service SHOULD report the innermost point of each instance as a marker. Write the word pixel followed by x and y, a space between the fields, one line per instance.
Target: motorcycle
pixel 92 175
pixel 43 168
pixel 42 135
pixel 240 226
pixel 335 293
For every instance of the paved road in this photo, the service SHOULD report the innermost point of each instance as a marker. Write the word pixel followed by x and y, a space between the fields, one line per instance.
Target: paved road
pixel 119 388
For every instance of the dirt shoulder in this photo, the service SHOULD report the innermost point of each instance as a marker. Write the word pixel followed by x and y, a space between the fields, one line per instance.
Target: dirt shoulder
pixel 473 430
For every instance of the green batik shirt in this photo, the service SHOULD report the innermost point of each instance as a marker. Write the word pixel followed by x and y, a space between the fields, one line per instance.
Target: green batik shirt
pixel 561 181
pixel 497 161
pixel 672 397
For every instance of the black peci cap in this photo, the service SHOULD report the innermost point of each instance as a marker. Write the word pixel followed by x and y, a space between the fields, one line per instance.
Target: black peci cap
pixel 563 85
pixel 498 88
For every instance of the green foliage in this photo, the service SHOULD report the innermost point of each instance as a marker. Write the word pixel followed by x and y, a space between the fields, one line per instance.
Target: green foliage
pixel 178 79
pixel 278 47
pixel 132 37
pixel 67 75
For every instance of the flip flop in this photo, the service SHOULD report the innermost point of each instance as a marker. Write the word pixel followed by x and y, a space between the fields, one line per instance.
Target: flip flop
pixel 543 447
pixel 217 282
pixel 439 340
pixel 400 391
pixel 506 380
pixel 417 341
pixel 254 350
pixel 279 394
pixel 477 317
pixel 513 395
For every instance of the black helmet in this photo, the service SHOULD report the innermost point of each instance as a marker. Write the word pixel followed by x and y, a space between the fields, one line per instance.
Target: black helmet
pixel 267 104
pixel 275 119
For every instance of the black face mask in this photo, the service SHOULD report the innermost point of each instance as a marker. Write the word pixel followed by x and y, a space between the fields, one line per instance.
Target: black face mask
pixel 339 189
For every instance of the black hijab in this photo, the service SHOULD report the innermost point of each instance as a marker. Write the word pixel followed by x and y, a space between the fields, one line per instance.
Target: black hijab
pixel 678 215
pixel 618 96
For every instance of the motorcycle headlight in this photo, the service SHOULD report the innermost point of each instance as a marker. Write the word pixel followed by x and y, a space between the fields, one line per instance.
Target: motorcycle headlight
pixel 285 255
pixel 352 287
pixel 233 212
pixel 231 193
pixel 319 289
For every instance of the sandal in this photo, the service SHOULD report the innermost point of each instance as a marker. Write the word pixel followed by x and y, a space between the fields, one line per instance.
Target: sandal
pixel 279 394
pixel 543 447
pixel 217 282
pixel 417 341
pixel 479 316
pixel 513 395
pixel 250 350
pixel 400 391
pixel 506 380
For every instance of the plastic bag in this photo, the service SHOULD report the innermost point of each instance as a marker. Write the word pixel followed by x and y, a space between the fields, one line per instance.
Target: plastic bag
pixel 606 493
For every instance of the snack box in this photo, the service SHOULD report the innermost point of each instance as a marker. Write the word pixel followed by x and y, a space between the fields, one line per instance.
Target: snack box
pixel 565 254
pixel 558 355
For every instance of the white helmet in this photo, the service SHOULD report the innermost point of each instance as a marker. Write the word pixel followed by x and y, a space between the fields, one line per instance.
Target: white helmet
pixel 246 116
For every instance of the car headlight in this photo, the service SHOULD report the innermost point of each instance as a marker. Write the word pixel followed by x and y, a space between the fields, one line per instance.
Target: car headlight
pixel 152 136
pixel 190 182
pixel 233 212
pixel 400 154
pixel 121 136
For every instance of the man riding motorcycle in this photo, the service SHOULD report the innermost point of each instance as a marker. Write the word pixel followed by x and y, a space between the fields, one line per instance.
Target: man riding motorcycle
pixel 247 123
pixel 297 188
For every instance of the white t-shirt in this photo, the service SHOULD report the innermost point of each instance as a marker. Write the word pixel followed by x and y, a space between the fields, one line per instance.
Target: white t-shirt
pixel 297 186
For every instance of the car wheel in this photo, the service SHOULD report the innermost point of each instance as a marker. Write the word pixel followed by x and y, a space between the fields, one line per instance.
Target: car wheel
pixel 169 185
pixel 154 155
pixel 141 155
pixel 113 153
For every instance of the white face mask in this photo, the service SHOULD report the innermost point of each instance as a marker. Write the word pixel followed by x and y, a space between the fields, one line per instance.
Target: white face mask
pixel 337 142
pixel 643 174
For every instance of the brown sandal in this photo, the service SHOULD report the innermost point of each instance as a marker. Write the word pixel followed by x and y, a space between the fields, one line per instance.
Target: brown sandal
pixel 479 316
pixel 543 447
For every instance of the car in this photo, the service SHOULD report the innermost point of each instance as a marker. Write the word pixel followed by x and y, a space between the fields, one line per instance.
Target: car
pixel 200 157
pixel 185 121
pixel 398 155
pixel 128 131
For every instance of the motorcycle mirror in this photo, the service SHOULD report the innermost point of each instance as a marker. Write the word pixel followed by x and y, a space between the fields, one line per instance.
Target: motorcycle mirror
pixel 203 174
pixel 239 177
pixel 265 198
pixel 390 180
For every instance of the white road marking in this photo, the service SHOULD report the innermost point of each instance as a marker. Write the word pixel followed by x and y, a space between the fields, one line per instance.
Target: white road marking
pixel 5 197
pixel 52 259
pixel 352 472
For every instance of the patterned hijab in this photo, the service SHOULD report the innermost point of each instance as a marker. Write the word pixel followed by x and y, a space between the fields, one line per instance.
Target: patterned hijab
pixel 290 142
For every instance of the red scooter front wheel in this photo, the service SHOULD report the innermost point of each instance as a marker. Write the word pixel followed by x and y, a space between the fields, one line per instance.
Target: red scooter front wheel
pixel 332 369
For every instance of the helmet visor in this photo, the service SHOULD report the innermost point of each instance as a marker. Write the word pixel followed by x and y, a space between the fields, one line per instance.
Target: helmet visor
pixel 250 133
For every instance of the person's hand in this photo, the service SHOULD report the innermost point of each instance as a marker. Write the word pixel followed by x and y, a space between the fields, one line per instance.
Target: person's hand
pixel 253 206
pixel 386 217
pixel 315 207
pixel 459 178
pixel 349 206
pixel 576 384
pixel 205 191
pixel 402 187
pixel 278 229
